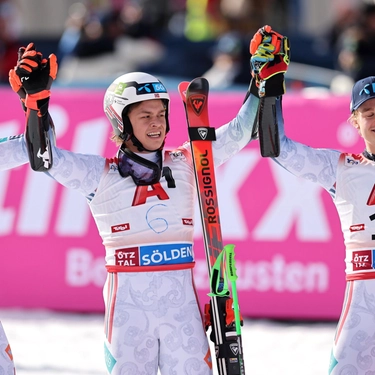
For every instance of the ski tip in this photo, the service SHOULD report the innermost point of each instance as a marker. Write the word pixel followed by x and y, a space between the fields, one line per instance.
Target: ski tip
pixel 182 88
pixel 199 83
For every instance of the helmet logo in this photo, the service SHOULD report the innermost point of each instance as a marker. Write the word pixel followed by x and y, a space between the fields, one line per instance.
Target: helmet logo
pixel 144 87
pixel 120 88
pixel 151 88
pixel 197 102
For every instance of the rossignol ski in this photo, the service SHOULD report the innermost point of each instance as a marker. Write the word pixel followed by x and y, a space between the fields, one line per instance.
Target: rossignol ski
pixel 222 312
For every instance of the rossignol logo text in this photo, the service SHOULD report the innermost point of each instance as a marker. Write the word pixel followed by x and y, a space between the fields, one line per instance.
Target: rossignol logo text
pixel 208 194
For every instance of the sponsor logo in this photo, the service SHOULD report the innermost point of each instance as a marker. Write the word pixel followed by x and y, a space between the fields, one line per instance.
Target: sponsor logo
pixel 208 195
pixel 350 161
pixel 177 156
pixel 156 255
pixel 127 257
pixel 113 167
pixel 149 88
pixel 367 89
pixel 119 100
pixel 362 260
pixel 120 228
pixel 44 156
pixel 10 138
pixel 234 348
pixel 357 227
pixel 110 360
pixel 120 88
pixel 203 133
pixel 197 103
pixel 187 221
pixel 158 87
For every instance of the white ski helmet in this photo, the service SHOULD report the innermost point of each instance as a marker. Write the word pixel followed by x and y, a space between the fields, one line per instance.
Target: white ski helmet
pixel 128 89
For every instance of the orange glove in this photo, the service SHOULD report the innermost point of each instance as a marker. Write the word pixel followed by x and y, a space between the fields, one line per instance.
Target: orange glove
pixel 28 60
pixel 32 77
pixel 270 59
pixel 38 84
pixel 266 31
pixel 35 74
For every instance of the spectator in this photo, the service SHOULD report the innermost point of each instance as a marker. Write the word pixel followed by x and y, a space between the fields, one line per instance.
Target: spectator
pixel 100 39
pixel 229 62
pixel 356 45
pixel 10 27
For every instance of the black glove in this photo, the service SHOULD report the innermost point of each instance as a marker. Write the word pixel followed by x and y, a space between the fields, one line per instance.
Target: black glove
pixel 36 75
pixel 28 61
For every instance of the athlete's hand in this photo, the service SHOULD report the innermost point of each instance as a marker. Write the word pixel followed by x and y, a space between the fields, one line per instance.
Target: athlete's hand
pixel 16 85
pixel 36 75
pixel 269 61
pixel 266 34
pixel 28 60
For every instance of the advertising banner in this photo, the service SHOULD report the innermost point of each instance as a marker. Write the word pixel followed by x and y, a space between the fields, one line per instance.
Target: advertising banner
pixel 286 232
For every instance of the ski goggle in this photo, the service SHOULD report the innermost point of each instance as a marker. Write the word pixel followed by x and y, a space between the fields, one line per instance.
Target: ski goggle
pixel 143 172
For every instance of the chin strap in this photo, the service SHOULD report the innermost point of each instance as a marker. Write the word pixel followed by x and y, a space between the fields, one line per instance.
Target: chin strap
pixel 368 155
pixel 140 146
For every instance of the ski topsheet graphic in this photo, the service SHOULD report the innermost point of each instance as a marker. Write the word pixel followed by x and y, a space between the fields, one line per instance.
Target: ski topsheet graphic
pixel 222 312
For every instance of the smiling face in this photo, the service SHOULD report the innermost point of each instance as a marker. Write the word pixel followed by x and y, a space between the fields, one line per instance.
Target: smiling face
pixel 149 124
pixel 364 122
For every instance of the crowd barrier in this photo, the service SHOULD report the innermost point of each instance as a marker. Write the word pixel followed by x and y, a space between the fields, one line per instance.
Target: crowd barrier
pixel 286 232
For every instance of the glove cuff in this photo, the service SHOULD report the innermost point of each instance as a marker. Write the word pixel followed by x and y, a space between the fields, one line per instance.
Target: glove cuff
pixel 254 88
pixel 274 86
pixel 38 101
pixel 23 104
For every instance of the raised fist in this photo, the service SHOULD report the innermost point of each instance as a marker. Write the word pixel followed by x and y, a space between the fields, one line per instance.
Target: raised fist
pixel 28 61
pixel 266 34
pixel 269 61
pixel 33 76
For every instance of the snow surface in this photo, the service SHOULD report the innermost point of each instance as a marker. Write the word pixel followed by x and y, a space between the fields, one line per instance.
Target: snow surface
pixel 55 343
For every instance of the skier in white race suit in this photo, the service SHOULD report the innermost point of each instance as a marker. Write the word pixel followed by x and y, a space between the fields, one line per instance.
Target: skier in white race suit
pixel 142 201
pixel 348 179
pixel 12 150
pixel 6 356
